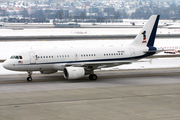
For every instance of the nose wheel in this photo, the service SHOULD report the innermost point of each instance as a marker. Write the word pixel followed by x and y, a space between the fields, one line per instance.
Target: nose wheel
pixel 93 77
pixel 29 78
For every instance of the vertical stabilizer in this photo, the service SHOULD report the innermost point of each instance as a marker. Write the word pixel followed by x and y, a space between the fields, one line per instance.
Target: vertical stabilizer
pixel 147 35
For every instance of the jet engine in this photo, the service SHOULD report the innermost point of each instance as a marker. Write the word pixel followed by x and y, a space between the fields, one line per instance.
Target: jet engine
pixel 48 72
pixel 73 72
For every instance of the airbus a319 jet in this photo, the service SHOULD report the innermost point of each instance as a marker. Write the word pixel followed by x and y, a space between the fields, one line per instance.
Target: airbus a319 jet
pixel 77 62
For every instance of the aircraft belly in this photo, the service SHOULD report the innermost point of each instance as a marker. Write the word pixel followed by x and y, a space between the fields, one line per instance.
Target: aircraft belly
pixel 30 67
pixel 47 67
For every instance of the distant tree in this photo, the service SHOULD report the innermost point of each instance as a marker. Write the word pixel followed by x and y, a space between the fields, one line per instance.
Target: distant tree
pixel 77 12
pixel 124 14
pixel 59 14
pixel 25 13
pixel 47 13
pixel 141 13
pixel 117 15
pixel 14 13
pixel 140 3
pixel 50 1
pixel 4 12
pixel 165 13
pixel 83 15
pixel 150 4
pixel 39 14
pixel 100 14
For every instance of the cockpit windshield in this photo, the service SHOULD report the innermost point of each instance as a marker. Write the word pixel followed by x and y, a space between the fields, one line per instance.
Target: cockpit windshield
pixel 16 57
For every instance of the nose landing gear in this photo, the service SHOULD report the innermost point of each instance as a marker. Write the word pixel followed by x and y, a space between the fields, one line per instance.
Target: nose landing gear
pixel 29 78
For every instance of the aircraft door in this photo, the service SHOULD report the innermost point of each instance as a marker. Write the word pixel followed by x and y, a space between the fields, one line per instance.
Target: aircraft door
pixel 132 51
pixel 32 57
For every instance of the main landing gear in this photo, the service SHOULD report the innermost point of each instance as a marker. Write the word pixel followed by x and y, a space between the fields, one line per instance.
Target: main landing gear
pixel 29 78
pixel 93 77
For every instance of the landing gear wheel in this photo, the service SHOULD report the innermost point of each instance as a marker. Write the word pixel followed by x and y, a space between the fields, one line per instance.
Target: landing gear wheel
pixel 93 77
pixel 29 79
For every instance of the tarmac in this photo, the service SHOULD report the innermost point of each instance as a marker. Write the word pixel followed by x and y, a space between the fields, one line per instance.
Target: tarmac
pixel 152 94
pixel 148 102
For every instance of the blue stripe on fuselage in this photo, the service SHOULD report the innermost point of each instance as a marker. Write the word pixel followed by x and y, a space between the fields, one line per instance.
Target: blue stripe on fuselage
pixel 98 60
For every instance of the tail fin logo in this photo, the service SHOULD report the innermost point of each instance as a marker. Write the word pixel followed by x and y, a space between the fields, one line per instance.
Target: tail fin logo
pixel 144 37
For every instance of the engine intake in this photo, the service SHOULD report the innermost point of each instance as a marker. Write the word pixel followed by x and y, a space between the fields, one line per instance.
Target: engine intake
pixel 73 72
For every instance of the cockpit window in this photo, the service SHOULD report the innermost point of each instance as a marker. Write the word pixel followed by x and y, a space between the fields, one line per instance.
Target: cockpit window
pixel 20 57
pixel 12 57
pixel 16 57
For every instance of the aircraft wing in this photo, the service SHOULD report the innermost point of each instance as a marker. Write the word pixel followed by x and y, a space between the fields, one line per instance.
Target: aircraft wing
pixel 97 65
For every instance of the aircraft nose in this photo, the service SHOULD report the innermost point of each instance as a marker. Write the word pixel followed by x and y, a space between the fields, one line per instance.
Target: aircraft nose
pixel 5 65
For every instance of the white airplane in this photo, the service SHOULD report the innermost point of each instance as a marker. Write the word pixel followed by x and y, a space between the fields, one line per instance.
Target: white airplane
pixel 77 62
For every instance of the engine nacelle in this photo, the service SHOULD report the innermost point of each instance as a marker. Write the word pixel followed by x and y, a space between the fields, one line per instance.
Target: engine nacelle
pixel 48 72
pixel 73 72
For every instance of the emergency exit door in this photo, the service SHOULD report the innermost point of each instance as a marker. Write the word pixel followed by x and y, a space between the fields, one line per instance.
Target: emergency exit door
pixel 32 57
